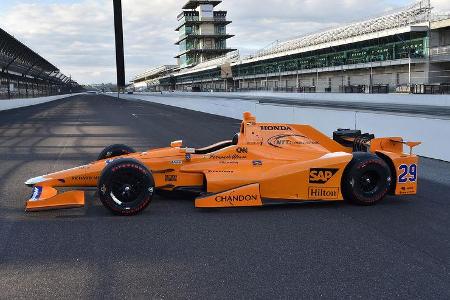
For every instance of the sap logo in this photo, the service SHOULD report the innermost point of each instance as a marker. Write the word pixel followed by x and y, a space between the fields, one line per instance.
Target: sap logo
pixel 321 175
pixel 242 150
pixel 276 128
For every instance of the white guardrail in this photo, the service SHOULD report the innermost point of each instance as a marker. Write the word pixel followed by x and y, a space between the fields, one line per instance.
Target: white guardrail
pixel 16 103
pixel 432 131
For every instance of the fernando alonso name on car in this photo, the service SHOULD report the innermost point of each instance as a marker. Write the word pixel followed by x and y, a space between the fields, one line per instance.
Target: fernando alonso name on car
pixel 227 157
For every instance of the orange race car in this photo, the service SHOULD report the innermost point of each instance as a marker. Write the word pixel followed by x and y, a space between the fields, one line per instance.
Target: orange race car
pixel 265 163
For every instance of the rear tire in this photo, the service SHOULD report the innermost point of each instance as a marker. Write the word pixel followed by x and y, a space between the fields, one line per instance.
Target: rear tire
pixel 366 180
pixel 126 187
pixel 114 151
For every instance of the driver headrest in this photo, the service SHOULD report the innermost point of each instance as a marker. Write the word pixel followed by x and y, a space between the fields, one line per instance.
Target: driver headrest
pixel 235 139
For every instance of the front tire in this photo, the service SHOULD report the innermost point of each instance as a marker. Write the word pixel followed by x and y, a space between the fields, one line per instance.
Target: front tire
pixel 114 151
pixel 126 187
pixel 366 180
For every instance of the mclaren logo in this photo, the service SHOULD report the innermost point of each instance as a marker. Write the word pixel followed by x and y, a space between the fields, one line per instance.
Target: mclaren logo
pixel 236 198
pixel 276 128
pixel 321 175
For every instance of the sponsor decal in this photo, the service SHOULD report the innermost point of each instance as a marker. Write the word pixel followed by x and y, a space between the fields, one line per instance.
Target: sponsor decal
pixel 320 193
pixel 177 162
pixel 163 171
pixel 276 128
pixel 171 178
pixel 220 171
pixel 408 173
pixel 241 150
pixel 321 176
pixel 188 156
pixel 227 157
pixel 257 163
pixel 229 162
pixel 408 190
pixel 236 198
pixel 290 139
pixel 84 178
pixel 37 191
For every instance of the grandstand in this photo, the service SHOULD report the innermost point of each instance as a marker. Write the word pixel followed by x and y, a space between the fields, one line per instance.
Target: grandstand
pixel 149 80
pixel 407 50
pixel 24 73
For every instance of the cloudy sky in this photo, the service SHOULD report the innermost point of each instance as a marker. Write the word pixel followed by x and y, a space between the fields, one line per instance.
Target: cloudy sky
pixel 78 35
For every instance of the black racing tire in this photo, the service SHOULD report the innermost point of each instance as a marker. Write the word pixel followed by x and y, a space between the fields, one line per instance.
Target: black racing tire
pixel 366 179
pixel 126 187
pixel 114 151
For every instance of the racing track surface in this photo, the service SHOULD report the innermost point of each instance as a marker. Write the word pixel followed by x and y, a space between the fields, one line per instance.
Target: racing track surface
pixel 398 249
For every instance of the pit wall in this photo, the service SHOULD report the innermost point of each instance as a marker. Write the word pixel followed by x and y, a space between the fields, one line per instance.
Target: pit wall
pixel 433 132
pixel 16 103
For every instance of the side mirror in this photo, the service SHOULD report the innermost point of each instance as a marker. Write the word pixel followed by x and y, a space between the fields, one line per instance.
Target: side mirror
pixel 176 144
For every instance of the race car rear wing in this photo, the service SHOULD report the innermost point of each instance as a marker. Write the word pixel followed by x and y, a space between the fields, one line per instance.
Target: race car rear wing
pixel 366 142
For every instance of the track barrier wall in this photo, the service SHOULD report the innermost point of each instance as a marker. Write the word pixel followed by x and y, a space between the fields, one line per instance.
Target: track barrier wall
pixel 432 131
pixel 16 103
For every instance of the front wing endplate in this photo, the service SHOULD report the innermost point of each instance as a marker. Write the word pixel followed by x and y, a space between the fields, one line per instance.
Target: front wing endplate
pixel 47 198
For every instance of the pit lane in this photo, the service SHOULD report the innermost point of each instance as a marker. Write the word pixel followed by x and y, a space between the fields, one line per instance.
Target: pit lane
pixel 400 248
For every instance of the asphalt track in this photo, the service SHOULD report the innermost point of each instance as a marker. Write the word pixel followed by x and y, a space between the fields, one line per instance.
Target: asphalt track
pixel 398 249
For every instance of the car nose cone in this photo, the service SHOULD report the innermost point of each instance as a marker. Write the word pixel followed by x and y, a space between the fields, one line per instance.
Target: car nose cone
pixel 35 180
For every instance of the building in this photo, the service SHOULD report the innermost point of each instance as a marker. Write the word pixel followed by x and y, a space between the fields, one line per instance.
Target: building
pixel 402 51
pixel 202 33
pixel 388 53
pixel 149 80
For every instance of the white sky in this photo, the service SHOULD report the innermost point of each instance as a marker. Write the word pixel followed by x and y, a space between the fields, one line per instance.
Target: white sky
pixel 78 36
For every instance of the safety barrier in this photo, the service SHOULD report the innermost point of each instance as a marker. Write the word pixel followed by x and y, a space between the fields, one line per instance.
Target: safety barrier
pixel 16 103
pixel 432 131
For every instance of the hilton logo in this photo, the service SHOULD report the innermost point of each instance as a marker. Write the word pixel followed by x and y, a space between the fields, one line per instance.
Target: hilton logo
pixel 319 193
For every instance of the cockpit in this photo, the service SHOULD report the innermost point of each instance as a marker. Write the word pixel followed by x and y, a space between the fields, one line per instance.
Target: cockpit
pixel 218 146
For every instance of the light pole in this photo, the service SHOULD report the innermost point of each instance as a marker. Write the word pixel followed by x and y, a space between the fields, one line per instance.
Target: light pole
pixel 120 61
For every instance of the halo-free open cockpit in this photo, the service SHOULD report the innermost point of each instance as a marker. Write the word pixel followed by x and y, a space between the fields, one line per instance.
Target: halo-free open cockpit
pixel 218 146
